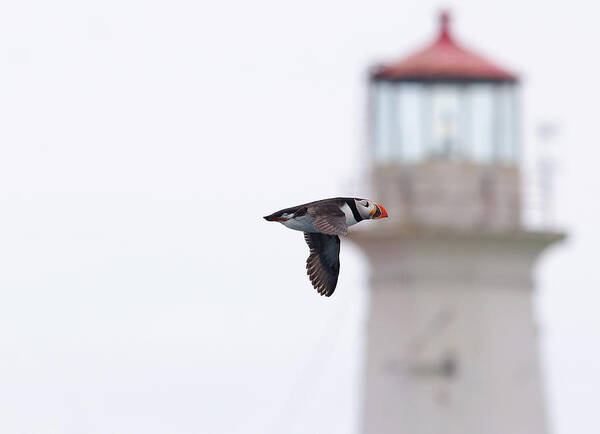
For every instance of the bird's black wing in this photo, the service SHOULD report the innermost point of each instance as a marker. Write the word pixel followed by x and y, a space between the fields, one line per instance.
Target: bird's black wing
pixel 323 263
pixel 329 219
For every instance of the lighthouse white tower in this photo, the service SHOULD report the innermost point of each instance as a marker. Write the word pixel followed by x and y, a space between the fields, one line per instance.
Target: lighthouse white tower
pixel 452 344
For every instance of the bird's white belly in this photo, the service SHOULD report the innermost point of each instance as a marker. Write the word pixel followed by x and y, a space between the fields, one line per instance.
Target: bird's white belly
pixel 350 220
pixel 303 223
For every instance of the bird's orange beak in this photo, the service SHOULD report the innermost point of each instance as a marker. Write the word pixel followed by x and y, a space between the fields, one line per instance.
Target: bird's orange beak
pixel 380 213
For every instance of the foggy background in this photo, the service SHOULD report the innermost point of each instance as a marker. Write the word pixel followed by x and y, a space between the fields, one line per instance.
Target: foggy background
pixel 140 144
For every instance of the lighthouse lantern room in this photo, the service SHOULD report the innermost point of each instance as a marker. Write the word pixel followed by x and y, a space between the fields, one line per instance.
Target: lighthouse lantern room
pixel 445 102
pixel 445 137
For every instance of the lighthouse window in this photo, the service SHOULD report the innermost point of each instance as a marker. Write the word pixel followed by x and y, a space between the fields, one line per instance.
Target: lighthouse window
pixel 457 121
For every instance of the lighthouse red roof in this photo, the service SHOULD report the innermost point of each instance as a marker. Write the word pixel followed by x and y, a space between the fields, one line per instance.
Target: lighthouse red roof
pixel 444 59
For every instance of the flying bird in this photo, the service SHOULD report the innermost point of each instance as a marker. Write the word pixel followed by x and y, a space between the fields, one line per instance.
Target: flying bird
pixel 322 222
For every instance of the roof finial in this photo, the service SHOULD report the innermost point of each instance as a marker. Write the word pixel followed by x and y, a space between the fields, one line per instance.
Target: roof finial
pixel 444 24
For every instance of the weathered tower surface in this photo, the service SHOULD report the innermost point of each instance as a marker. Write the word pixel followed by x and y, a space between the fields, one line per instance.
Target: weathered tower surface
pixel 451 336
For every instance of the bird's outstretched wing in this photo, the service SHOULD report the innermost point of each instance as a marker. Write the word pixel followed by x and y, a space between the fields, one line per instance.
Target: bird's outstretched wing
pixel 329 219
pixel 323 263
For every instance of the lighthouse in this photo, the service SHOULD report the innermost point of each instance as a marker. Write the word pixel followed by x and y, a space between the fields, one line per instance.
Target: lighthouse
pixel 451 337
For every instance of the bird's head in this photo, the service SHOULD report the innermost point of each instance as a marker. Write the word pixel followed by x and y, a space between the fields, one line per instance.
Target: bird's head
pixel 370 210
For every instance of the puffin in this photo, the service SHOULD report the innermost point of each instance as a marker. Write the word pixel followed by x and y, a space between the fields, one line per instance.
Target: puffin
pixel 322 222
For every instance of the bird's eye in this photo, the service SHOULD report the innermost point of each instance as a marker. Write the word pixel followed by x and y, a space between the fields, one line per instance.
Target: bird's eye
pixel 366 204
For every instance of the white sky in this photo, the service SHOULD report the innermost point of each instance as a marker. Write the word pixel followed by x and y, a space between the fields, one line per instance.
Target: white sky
pixel 141 142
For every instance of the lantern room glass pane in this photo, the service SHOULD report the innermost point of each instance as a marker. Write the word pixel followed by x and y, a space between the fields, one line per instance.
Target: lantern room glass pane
pixel 410 122
pixel 383 118
pixel 509 128
pixel 445 107
pixel 481 128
